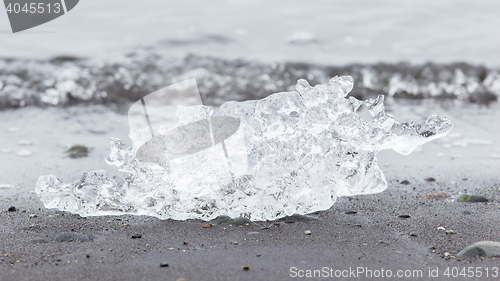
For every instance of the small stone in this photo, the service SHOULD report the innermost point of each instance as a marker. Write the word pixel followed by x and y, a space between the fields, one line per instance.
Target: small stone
pixel 71 237
pixel 77 151
pixel 404 216
pixel 307 232
pixel 436 195
pixel 33 216
pixel 405 182
pixel 413 235
pixel 470 198
pixel 207 225
pixel 246 267
pixel 235 242
pixel 170 249
pixel 450 232
pixel 137 236
pixel 383 242
pixel 482 249
pixel 163 264
pixel 351 212
pixel 466 212
pixel 441 228
pixel 12 209
pixel 430 179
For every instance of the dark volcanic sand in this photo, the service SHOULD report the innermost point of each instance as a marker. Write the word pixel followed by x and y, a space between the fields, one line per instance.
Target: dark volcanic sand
pixel 338 240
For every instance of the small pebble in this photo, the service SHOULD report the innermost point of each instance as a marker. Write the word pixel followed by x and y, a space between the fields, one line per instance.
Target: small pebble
pixel 246 267
pixel 430 179
pixel 33 216
pixel 450 232
pixel 466 212
pixel 383 242
pixel 436 195
pixel 405 182
pixel 12 209
pixel 482 249
pixel 163 264
pixel 136 236
pixel 307 232
pixel 351 212
pixel 470 198
pixel 207 225
pixel 441 228
pixel 404 216
pixel 235 242
pixel 77 151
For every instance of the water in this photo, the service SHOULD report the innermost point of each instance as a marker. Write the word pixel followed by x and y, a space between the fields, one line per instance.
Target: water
pixel 346 31
pixel 69 81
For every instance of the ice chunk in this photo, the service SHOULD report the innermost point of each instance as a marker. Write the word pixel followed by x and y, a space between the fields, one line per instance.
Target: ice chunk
pixel 293 153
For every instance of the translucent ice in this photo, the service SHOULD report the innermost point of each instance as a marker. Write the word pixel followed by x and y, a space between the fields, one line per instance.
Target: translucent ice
pixel 294 152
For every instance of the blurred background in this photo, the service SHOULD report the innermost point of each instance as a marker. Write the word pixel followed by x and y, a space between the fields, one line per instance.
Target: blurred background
pixel 71 80
pixel 326 32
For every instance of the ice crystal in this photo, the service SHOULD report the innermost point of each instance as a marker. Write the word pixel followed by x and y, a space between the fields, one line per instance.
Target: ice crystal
pixel 294 152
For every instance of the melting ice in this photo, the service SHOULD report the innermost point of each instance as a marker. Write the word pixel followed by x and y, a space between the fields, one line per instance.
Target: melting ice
pixel 293 152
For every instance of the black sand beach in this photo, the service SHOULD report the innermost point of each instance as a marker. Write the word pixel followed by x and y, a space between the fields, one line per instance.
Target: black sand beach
pixel 394 230
pixel 69 83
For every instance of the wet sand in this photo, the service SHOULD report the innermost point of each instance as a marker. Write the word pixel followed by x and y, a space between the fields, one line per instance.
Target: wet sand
pixel 375 237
